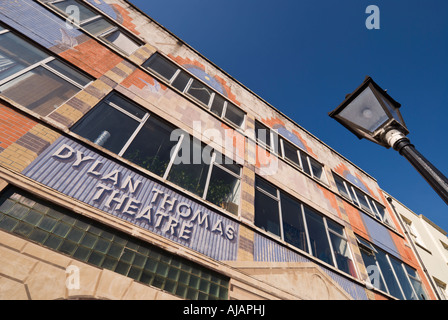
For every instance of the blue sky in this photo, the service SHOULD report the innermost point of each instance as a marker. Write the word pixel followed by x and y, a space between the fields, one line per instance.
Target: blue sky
pixel 304 56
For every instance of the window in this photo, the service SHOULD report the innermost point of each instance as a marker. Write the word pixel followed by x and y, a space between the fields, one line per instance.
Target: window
pixel 34 79
pixel 91 242
pixel 412 231
pixel 124 128
pixel 390 275
pixel 196 89
pixel 292 221
pixel 361 200
pixel 278 145
pixel 97 25
pixel 441 289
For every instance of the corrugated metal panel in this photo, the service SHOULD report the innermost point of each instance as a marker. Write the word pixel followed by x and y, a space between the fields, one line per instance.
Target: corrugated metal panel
pixel 78 183
pixel 269 251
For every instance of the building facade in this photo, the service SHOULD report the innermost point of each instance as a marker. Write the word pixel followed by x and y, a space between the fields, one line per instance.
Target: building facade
pixel 429 241
pixel 132 167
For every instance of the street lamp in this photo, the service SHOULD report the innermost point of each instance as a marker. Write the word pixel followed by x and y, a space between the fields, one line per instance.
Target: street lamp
pixel 370 113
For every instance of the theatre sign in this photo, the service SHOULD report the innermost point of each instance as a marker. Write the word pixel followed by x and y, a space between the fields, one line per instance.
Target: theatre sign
pixel 83 174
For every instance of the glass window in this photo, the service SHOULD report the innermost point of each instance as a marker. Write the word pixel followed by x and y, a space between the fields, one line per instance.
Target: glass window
pixel 389 276
pixel 121 41
pixel 224 189
pixel 416 283
pixel 403 279
pixel 263 134
pixel 98 26
pixel 341 187
pixel 94 23
pixel 320 247
pixel 373 270
pixel 267 216
pixel 340 248
pixel 217 105
pixel 234 115
pixel 318 170
pixel 69 72
pixel 161 66
pixel 151 148
pixel 45 91
pixel 362 200
pixel 107 126
pixel 200 91
pixel 291 152
pixel 293 226
pixel 181 81
pixel 191 166
pixel 305 164
pixel 16 54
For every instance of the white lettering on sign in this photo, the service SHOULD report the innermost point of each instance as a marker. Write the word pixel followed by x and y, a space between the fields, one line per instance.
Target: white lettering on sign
pixel 171 215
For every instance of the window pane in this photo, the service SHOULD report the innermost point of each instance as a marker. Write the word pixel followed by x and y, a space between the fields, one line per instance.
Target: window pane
pixel 190 167
pixel 107 127
pixel 181 81
pixel 372 269
pixel 17 54
pixel 362 200
pixel 260 183
pixel 341 187
pixel 127 105
pixel 84 12
pixel 98 26
pixel 291 152
pixel 403 279
pixel 416 283
pixel 121 41
pixel 389 276
pixel 39 90
pixel 200 91
pixel 69 72
pixel 217 105
pixel 320 246
pixel 234 114
pixel 151 148
pixel 318 170
pixel 224 190
pixel 162 66
pixel 266 213
pixel 263 134
pixel 341 249
pixel 227 163
pixel 293 226
pixel 305 165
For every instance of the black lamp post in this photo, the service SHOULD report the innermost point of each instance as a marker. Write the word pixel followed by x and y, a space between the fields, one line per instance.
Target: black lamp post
pixel 370 113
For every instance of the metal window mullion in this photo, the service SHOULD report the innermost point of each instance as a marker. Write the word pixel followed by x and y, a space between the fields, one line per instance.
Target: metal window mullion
pixel 330 243
pixel 82 23
pixel 228 171
pixel 209 174
pixel 132 137
pixel 64 77
pixel 4 31
pixel 115 106
pixel 395 275
pixel 224 109
pixel 305 226
pixel 280 217
pixel 410 282
pixel 27 69
pixel 174 76
pixel 176 151
pixel 267 193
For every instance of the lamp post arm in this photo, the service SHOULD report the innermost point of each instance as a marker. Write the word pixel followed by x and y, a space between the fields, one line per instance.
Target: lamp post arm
pixel 430 173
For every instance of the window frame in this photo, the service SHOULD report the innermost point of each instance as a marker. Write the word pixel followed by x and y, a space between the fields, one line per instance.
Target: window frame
pixel 175 151
pixel 279 150
pixel 366 246
pixel 99 15
pixel 353 192
pixel 278 199
pixel 44 64
pixel 186 88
